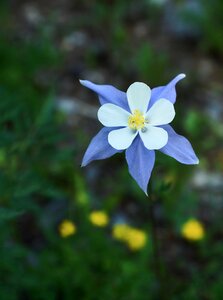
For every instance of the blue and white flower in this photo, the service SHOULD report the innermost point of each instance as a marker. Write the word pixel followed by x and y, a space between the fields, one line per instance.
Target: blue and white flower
pixel 137 121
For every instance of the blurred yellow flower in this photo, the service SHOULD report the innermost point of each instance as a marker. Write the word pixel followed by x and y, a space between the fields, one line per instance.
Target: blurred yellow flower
pixel 120 231
pixel 193 230
pixel 134 238
pixel 99 218
pixel 67 228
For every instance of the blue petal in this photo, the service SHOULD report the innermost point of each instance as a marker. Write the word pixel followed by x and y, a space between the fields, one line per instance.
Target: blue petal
pixel 140 162
pixel 108 94
pixel 168 92
pixel 179 147
pixel 99 147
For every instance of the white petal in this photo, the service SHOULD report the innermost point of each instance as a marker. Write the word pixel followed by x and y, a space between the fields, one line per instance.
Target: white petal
pixel 111 115
pixel 154 137
pixel 138 95
pixel 121 139
pixel 161 113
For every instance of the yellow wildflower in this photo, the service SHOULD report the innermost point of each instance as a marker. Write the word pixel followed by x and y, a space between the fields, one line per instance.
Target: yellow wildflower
pixel 67 228
pixel 120 231
pixel 99 218
pixel 136 239
pixel 193 230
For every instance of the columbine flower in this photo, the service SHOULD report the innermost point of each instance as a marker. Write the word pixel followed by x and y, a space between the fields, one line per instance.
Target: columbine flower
pixel 137 121
pixel 67 228
pixel 193 230
pixel 99 218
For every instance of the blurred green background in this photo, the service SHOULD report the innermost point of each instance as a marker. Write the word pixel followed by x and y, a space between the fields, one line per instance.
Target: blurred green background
pixel 71 233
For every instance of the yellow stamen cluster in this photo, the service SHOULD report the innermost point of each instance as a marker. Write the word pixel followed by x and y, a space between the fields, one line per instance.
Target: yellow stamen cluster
pixel 136 120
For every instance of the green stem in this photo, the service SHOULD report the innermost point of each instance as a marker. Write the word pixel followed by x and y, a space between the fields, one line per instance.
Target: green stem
pixel 158 265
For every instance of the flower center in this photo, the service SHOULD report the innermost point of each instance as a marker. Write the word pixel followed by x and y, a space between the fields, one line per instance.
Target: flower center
pixel 136 120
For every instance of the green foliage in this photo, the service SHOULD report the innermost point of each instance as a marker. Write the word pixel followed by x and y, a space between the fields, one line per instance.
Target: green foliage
pixel 208 21
pixel 150 64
